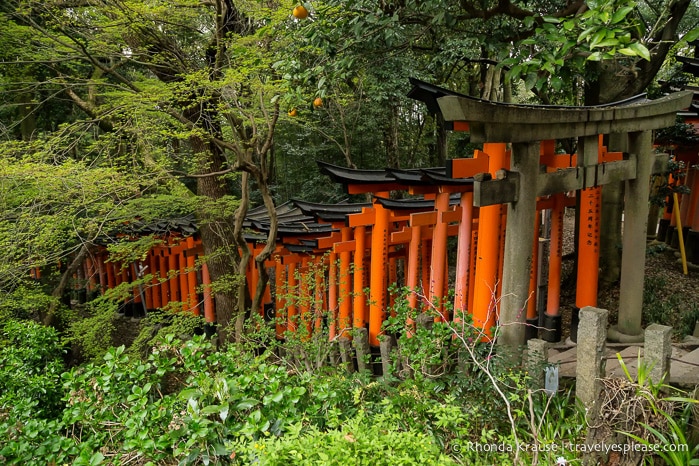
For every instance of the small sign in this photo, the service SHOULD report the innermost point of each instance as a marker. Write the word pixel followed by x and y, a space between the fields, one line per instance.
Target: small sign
pixel 551 380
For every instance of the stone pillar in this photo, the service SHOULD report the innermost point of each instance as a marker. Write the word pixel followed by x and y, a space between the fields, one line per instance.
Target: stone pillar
pixel 519 245
pixel 537 359
pixel 360 341
pixel 633 259
pixel 592 336
pixel 657 351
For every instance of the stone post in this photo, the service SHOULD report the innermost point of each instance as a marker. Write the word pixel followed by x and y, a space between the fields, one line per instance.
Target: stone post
pixel 386 345
pixel 537 359
pixel 592 337
pixel 519 241
pixel 657 351
pixel 346 353
pixel 361 346
pixel 633 256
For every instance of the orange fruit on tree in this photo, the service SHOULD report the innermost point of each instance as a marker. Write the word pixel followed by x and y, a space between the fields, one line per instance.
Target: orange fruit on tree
pixel 293 112
pixel 318 102
pixel 300 12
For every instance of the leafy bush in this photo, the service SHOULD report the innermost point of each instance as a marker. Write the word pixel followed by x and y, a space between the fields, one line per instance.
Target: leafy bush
pixel 31 363
pixel 361 441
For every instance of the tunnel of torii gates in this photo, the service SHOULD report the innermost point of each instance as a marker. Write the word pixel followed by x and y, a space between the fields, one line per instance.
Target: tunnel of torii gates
pixel 492 203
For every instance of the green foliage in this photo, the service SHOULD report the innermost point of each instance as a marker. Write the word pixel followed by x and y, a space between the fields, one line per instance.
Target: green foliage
pixel 666 430
pixel 92 332
pixel 31 363
pixel 360 441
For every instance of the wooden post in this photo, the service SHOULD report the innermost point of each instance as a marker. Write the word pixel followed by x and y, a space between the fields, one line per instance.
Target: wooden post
pixel 182 260
pixel 164 288
pixel 192 298
pixel 489 218
pixel 518 244
pixel 154 267
pixel 345 288
pixel 333 306
pixel 532 312
pixel 379 264
pixel 173 272
pixel 209 312
pixel 552 316
pixel 281 291
pixel 439 256
pixel 589 228
pixel 412 274
pixel 292 290
pixel 358 287
pixel 463 258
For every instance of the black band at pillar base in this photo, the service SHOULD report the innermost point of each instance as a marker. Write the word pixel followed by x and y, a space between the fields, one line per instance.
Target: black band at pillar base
pixel 532 330
pixel 552 329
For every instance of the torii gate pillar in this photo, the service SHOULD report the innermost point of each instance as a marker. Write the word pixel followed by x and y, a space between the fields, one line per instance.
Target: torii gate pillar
pixel 633 260
pixel 519 244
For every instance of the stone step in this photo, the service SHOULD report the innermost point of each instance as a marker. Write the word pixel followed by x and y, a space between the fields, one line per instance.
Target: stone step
pixel 685 368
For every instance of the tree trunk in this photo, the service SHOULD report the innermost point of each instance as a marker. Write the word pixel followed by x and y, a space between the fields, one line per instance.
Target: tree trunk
pixel 217 235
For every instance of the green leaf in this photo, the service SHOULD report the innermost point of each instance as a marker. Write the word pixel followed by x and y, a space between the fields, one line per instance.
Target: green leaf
pixel 640 50
pixel 621 13
pixel 692 35
pixel 596 56
pixel 246 404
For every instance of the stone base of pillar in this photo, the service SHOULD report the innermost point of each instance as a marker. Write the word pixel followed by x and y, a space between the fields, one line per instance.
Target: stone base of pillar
pixel 692 246
pixel 532 330
pixel 552 329
pixel 663 225
pixel 614 335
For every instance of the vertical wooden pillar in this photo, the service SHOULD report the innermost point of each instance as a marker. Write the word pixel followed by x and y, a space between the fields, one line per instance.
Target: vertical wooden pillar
pixel 101 272
pixel 463 258
pixel 589 228
pixel 154 267
pixel 182 260
pixel 209 312
pixel 111 279
pixel 292 290
pixel 319 298
pixel 532 312
pixel 552 316
pixel 358 287
pixel 305 299
pixel 489 218
pixel 633 258
pixel 439 256
pixel 281 291
pixel 425 261
pixel 173 274
pixel 345 287
pixel 379 263
pixel 164 284
pixel 192 277
pixel 518 245
pixel 412 272
pixel 472 269
pixel 333 307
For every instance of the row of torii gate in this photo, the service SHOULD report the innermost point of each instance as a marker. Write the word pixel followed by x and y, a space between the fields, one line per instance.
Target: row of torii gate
pixel 328 255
